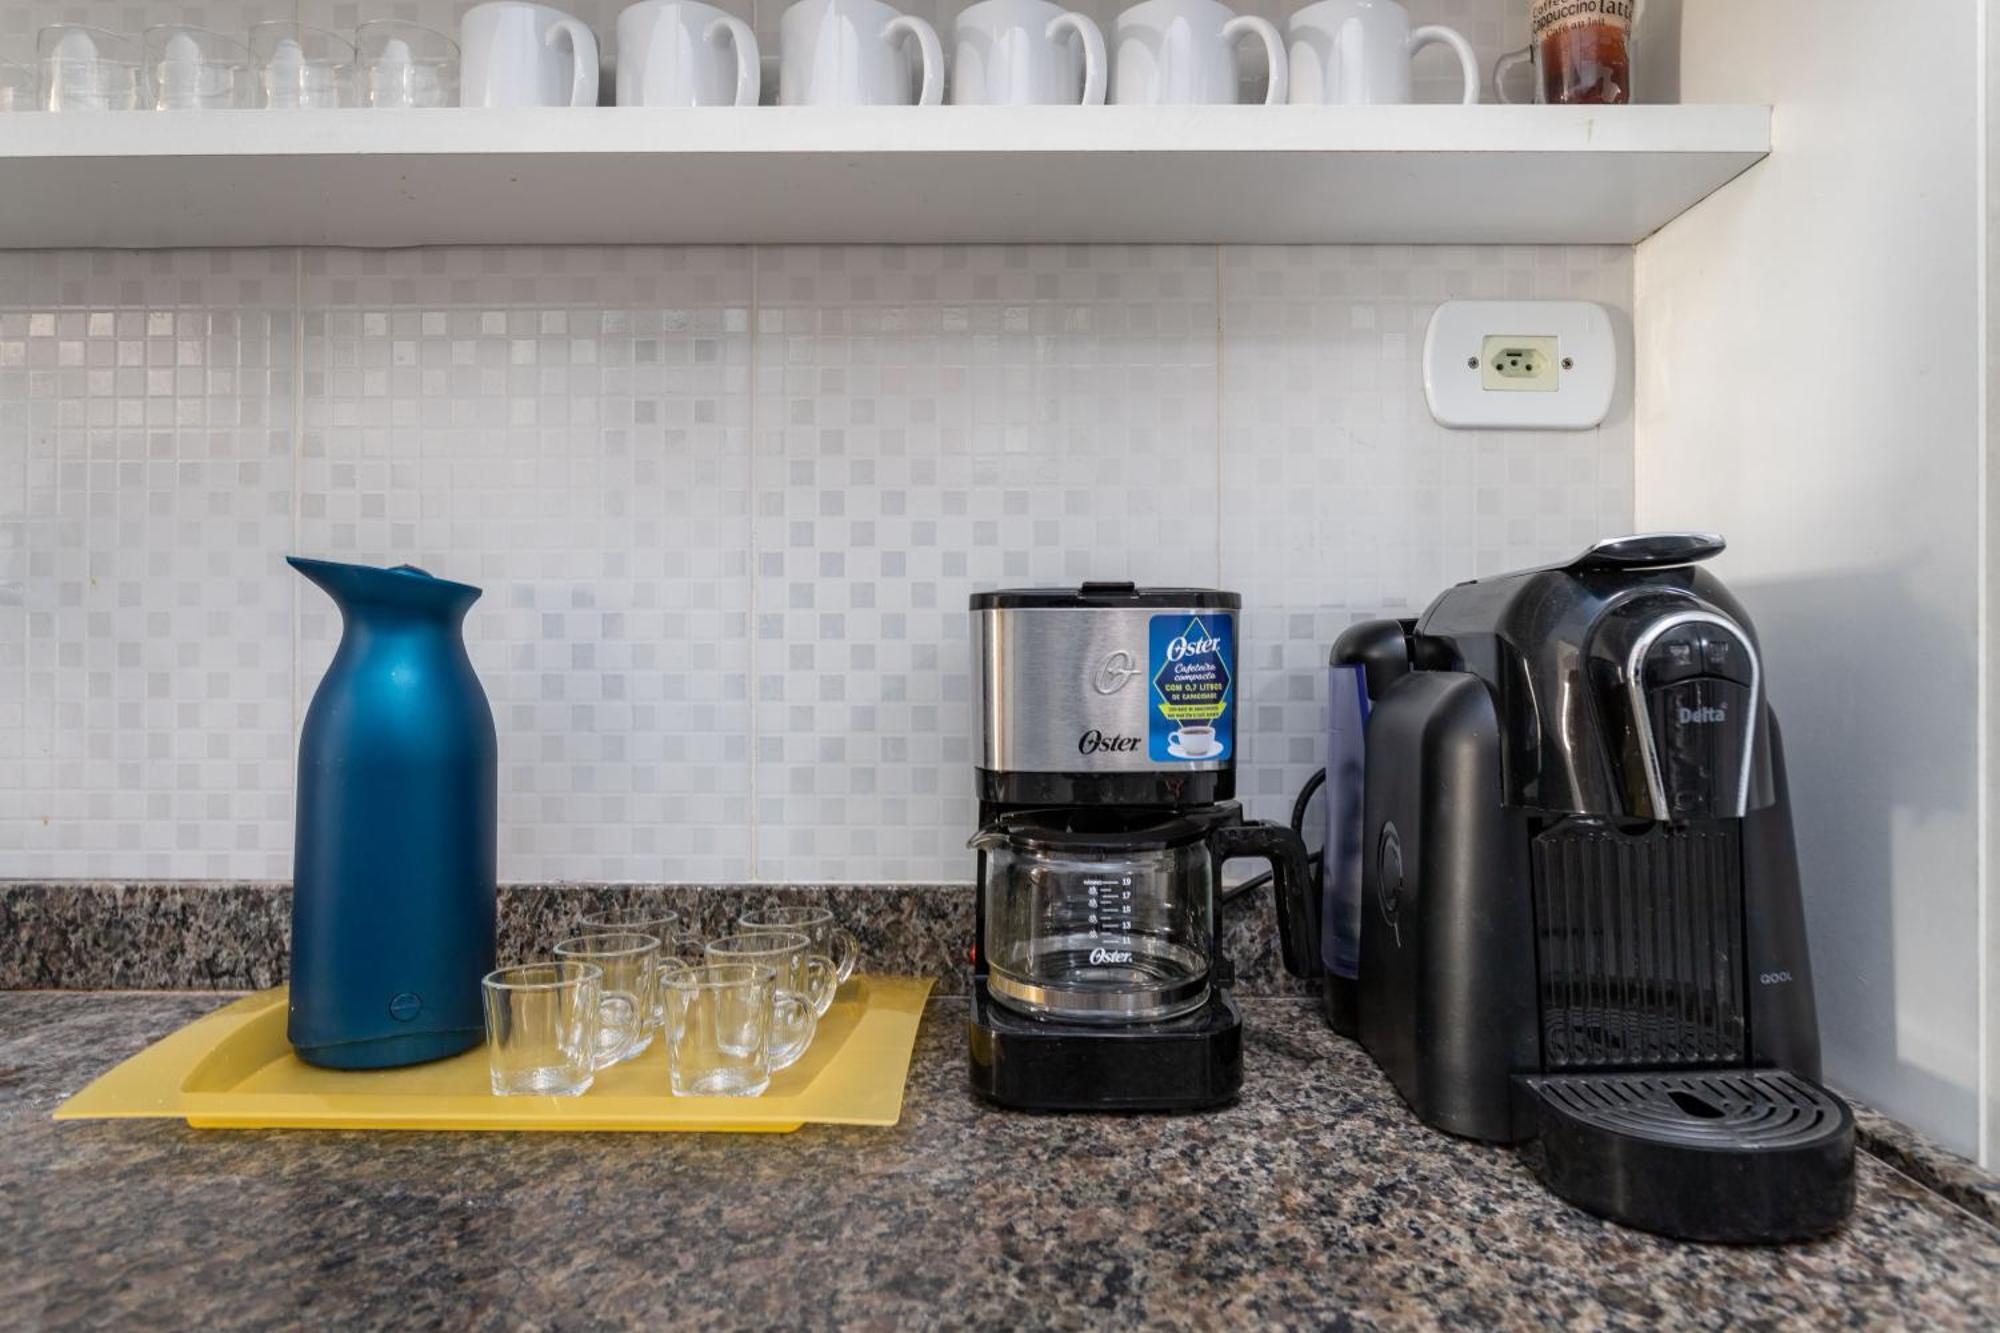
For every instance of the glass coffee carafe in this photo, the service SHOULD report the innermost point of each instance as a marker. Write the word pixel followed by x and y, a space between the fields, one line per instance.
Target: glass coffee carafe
pixel 1108 915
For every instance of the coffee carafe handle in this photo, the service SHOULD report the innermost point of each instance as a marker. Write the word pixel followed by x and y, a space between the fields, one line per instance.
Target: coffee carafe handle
pixel 1291 880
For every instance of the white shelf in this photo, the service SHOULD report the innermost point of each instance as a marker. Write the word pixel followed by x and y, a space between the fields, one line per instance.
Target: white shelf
pixel 1413 175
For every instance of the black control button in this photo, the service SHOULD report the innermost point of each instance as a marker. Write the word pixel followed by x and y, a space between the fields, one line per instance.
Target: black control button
pixel 1700 729
pixel 1725 655
pixel 1674 656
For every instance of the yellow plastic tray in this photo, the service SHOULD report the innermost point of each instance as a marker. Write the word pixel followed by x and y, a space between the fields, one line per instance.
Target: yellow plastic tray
pixel 233 1069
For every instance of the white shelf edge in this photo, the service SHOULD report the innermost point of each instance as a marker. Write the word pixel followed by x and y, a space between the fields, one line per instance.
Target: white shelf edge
pixel 600 131
pixel 776 175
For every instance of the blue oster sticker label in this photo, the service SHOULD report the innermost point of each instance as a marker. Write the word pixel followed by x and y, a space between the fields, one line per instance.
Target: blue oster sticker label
pixel 1193 714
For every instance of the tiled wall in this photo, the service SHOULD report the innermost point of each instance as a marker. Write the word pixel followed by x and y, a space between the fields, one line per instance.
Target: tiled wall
pixel 726 504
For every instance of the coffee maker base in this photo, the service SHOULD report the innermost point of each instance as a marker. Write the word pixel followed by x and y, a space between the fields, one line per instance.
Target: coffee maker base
pixel 1033 1064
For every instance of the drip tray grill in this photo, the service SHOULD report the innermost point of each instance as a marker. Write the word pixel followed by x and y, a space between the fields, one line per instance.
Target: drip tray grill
pixel 1726 1155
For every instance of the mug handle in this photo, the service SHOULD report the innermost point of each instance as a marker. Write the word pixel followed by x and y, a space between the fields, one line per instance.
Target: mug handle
pixel 583 59
pixel 1093 65
pixel 1504 66
pixel 932 91
pixel 1468 63
pixel 1274 52
pixel 824 980
pixel 846 953
pixel 749 66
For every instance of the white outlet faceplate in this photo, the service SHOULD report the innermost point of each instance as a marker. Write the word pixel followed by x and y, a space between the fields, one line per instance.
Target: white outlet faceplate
pixel 1465 337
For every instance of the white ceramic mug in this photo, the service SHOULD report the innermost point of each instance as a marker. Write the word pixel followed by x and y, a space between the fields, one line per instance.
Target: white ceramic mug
pixel 1026 52
pixel 855 53
pixel 512 53
pixel 1183 51
pixel 678 53
pixel 1358 51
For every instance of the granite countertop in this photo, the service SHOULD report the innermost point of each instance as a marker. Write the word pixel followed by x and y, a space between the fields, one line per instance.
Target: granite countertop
pixel 1316 1200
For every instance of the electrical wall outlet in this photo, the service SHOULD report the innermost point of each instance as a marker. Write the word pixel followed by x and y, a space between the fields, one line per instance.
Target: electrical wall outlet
pixel 1520 365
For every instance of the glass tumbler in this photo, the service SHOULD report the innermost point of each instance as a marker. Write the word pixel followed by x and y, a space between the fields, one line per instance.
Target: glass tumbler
pixel 301 68
pixel 87 69
pixel 664 924
pixel 631 965
pixel 719 1029
pixel 805 986
pixel 20 86
pixel 193 69
pixel 406 64
pixel 828 937
pixel 541 1028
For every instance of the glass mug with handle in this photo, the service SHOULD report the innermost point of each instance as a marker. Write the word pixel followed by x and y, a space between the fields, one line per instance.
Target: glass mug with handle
pixel 662 923
pixel 1026 52
pixel 805 982
pixel 718 1030
pixel 1578 53
pixel 828 937
pixel 1358 52
pixel 541 1028
pixel 631 966
pixel 1184 51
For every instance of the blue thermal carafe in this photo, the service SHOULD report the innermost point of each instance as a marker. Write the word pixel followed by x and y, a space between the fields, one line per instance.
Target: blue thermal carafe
pixel 393 892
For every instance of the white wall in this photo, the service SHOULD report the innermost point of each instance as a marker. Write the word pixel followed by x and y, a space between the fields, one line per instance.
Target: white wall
pixel 1990 969
pixel 1810 386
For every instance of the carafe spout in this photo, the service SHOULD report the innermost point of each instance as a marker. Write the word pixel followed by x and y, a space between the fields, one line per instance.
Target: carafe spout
pixel 403 588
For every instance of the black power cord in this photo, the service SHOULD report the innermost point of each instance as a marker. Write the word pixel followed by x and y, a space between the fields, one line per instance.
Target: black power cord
pixel 1300 805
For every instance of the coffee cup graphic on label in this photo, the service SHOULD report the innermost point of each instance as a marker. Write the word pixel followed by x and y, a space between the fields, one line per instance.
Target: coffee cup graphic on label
pixel 1195 741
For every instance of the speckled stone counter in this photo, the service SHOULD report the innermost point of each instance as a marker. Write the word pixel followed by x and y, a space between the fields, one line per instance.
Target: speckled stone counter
pixel 1315 1201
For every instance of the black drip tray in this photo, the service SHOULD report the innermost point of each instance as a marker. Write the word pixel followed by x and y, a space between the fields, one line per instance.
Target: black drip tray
pixel 1726 1155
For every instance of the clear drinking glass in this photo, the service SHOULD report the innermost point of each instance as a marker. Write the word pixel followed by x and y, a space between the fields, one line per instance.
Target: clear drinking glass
pixel 303 68
pixel 719 1029
pixel 193 69
pixel 631 966
pixel 87 69
pixel 20 86
pixel 662 923
pixel 541 1028
pixel 828 938
pixel 806 983
pixel 406 64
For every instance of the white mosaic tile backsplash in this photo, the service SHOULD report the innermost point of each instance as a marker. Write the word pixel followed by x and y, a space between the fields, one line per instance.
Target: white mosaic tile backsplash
pixel 727 506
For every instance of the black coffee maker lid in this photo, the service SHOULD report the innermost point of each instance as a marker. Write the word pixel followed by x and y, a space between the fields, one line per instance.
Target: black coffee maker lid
pixel 1107 596
pixel 1111 828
